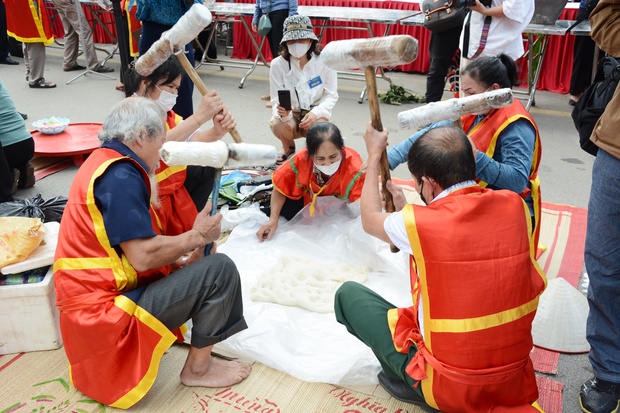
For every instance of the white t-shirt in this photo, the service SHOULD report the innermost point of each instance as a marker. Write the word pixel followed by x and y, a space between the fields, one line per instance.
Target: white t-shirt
pixel 504 32
pixel 316 85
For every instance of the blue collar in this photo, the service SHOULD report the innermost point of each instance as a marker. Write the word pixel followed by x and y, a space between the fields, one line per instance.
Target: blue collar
pixel 125 151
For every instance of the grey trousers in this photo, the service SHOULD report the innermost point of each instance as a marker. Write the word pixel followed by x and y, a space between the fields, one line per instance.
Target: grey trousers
pixel 207 291
pixel 75 24
pixel 34 59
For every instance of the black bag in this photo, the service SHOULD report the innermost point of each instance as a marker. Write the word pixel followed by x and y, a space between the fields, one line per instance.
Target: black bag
pixel 36 207
pixel 443 15
pixel 592 104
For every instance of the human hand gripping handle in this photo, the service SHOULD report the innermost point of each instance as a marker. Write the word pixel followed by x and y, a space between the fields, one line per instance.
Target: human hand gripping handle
pixel 209 226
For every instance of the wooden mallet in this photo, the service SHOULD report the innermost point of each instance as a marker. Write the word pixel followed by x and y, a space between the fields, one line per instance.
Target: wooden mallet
pixel 173 41
pixel 386 51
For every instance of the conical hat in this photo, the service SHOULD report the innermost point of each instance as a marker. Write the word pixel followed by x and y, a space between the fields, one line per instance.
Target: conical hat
pixel 560 322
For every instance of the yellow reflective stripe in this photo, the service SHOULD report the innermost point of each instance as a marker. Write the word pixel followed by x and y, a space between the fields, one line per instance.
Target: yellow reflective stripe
pixel 123 274
pixel 167 338
pixel 481 323
pixel 169 171
pixel 392 319
pixel 536 406
pixel 81 263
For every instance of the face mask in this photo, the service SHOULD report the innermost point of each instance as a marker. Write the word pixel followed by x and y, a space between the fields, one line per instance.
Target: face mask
pixel 329 170
pixel 422 196
pixel 166 99
pixel 297 50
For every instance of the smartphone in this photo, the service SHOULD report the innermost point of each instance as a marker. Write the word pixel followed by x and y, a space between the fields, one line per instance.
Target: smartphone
pixel 284 97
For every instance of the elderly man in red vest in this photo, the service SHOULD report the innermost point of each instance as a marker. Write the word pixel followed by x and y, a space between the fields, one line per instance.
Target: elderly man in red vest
pixel 119 299
pixel 464 344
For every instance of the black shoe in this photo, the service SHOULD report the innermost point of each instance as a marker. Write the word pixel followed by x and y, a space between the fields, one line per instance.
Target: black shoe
pixel 599 396
pixel 23 115
pixel 26 179
pixel 6 60
pixel 400 390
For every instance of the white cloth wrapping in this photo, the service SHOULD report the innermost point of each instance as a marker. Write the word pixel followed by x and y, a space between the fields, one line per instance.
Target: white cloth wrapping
pixel 311 346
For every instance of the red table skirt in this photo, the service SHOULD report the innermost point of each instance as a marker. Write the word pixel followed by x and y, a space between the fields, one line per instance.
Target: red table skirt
pixel 555 74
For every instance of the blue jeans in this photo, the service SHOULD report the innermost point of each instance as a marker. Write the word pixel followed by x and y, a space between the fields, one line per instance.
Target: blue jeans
pixel 602 258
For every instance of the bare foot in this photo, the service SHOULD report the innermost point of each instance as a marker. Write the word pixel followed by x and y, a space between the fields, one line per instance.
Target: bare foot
pixel 219 373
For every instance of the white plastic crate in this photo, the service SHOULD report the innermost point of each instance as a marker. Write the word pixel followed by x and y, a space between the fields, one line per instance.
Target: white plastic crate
pixel 29 317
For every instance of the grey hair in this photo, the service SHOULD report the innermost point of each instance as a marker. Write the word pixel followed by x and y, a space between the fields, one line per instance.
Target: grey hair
pixel 132 118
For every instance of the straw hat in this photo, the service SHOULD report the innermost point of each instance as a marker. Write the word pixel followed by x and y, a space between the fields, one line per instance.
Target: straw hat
pixel 560 322
pixel 296 28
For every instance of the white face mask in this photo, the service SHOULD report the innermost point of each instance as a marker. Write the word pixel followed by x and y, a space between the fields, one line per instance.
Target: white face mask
pixel 166 100
pixel 329 170
pixel 297 50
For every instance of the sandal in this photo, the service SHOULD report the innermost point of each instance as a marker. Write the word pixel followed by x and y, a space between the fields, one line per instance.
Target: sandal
pixel 284 156
pixel 42 84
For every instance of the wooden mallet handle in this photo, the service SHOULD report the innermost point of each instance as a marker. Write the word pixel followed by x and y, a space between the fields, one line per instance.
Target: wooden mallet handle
pixel 191 72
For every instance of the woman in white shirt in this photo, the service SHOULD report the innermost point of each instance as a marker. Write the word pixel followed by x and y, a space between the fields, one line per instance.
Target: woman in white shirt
pixel 505 21
pixel 312 85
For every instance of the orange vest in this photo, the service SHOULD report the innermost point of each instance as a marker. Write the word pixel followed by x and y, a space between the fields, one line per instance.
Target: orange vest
pixel 134 26
pixel 295 178
pixel 474 273
pixel 27 21
pixel 485 135
pixel 177 211
pixel 113 346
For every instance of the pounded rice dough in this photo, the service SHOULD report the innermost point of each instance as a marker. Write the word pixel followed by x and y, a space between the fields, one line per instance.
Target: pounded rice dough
pixel 305 283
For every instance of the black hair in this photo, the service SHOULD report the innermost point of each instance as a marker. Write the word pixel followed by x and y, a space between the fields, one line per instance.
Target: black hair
pixel 321 132
pixel 166 73
pixel 500 69
pixel 444 154
pixel 315 49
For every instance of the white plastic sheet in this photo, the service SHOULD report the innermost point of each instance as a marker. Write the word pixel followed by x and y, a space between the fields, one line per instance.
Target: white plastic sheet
pixel 310 346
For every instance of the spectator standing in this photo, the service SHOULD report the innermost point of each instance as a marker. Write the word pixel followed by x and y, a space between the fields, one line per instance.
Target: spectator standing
pixel 5 59
pixel 602 251
pixel 27 22
pixel 583 54
pixel 495 29
pixel 278 11
pixel 442 48
pixel 76 29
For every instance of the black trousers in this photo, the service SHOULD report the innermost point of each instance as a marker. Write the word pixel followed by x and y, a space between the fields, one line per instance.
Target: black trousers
pixel 277 30
pixel 12 157
pixel 442 48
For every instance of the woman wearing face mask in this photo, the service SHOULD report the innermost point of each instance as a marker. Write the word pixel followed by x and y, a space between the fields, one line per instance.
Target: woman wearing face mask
pixel 325 168
pixel 182 191
pixel 506 141
pixel 313 86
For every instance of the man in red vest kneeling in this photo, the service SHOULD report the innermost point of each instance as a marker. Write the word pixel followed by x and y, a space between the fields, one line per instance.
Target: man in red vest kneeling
pixel 464 343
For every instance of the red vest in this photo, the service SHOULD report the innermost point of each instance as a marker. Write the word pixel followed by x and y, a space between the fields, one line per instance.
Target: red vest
pixel 177 211
pixel 485 135
pixel 474 273
pixel 27 21
pixel 295 179
pixel 113 346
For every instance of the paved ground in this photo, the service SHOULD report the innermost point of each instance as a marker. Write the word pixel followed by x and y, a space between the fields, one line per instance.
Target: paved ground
pixel 564 172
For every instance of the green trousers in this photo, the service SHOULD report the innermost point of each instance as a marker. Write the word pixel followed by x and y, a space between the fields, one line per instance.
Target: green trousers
pixel 364 313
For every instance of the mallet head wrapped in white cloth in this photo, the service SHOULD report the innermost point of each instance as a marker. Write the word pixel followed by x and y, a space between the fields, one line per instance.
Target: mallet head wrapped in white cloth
pixel 453 109
pixel 217 154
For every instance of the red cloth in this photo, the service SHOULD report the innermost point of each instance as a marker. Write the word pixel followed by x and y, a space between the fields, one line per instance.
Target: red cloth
pixel 554 77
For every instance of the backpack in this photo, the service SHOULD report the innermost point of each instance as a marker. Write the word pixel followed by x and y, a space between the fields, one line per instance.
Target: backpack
pixel 592 104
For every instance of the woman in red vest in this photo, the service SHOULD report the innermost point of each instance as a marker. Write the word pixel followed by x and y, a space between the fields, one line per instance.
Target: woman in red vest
pixel 506 140
pixel 326 167
pixel 182 190
pixel 27 22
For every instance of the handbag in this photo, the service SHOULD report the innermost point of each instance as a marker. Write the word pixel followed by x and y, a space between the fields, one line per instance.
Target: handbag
pixel 592 103
pixel 443 15
pixel 264 25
